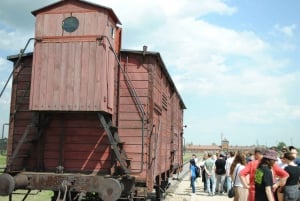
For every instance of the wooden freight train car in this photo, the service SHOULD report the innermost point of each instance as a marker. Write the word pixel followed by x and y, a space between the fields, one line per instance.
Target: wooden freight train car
pixel 88 119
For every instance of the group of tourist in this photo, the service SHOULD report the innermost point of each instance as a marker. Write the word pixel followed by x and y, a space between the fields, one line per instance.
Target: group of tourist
pixel 268 175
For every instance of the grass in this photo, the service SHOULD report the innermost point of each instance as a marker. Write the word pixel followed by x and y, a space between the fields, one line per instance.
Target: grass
pixel 188 155
pixel 34 196
pixel 19 194
pixel 2 162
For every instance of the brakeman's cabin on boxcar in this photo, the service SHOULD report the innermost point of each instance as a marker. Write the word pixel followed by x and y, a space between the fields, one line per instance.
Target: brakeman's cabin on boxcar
pixel 88 119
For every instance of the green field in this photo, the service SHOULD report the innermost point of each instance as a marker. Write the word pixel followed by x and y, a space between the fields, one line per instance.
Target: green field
pixel 2 162
pixel 34 196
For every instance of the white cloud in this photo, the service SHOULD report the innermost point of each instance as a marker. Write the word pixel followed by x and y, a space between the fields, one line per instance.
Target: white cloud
pixel 201 50
pixel 286 30
pixel 167 8
pixel 264 112
pixel 12 42
pixel 183 8
pixel 3 64
pixel 204 59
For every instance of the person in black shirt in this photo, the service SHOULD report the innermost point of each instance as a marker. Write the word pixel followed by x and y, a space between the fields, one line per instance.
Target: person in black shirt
pixel 220 173
pixel 294 152
pixel 264 178
pixel 291 191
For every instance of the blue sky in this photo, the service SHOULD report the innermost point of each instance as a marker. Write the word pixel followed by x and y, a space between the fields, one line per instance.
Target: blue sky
pixel 235 63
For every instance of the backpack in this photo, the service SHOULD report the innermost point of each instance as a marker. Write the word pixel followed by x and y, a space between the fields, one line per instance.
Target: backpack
pixel 197 171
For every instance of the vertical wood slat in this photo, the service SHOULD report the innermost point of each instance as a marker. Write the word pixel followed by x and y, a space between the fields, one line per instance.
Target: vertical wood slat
pixel 43 76
pixel 56 77
pixel 70 81
pixel 84 77
pixel 50 81
pixel 110 76
pixel 91 76
pixel 36 75
pixel 63 76
pixel 99 79
pixel 77 74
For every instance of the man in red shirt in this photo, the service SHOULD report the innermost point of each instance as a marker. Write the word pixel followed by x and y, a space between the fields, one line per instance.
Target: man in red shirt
pixel 251 168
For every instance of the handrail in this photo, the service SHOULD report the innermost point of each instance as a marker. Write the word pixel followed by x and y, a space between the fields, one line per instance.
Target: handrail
pixel 22 51
pixel 3 126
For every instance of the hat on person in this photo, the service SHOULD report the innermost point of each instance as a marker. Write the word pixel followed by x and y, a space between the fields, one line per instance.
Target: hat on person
pixel 284 149
pixel 270 154
pixel 222 154
pixel 260 150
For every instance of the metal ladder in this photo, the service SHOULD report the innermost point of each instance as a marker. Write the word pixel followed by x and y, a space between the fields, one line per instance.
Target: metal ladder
pixel 116 144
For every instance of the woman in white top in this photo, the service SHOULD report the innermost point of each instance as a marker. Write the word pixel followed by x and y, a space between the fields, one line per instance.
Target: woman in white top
pixel 239 162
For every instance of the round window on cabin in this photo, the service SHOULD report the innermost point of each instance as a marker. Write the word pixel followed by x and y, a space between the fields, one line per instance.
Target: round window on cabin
pixel 70 24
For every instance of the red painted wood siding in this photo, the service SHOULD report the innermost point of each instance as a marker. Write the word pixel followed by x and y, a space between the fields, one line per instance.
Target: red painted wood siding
pixel 77 142
pixel 162 134
pixel 73 71
pixel 20 117
pixel 74 140
pixel 129 120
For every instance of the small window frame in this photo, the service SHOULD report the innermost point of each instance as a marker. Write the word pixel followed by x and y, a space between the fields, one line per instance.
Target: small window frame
pixel 70 24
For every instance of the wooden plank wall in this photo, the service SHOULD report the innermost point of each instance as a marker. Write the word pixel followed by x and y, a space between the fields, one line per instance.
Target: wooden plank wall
pixel 129 121
pixel 91 22
pixel 72 77
pixel 177 129
pixel 71 71
pixel 74 140
pixel 161 101
pixel 164 123
pixel 77 142
pixel 20 116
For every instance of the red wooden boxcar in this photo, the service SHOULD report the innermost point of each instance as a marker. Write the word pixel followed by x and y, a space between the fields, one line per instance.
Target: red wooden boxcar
pixel 87 118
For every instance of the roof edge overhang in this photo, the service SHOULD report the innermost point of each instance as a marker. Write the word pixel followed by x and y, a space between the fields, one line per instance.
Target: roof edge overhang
pixel 16 56
pixel 50 6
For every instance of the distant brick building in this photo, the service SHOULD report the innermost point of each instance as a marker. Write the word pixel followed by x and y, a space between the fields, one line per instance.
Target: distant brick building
pixel 224 147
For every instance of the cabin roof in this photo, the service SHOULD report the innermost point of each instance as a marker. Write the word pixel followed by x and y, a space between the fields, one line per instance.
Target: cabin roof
pixel 16 56
pixel 56 4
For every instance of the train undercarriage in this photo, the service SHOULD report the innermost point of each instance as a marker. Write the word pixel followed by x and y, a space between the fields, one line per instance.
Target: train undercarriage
pixel 79 187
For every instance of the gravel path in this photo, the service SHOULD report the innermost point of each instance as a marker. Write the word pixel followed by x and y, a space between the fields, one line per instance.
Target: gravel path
pixel 180 190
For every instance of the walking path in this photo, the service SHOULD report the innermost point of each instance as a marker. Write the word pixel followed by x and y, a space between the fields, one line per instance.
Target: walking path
pixel 181 191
